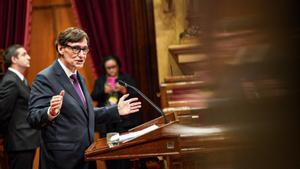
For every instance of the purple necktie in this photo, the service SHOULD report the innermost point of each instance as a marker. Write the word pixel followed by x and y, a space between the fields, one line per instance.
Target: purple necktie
pixel 77 88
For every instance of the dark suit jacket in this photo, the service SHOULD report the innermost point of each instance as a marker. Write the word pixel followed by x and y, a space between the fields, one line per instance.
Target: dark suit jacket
pixel 101 97
pixel 65 138
pixel 14 95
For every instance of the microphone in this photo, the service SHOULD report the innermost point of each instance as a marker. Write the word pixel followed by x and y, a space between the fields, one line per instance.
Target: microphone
pixel 121 82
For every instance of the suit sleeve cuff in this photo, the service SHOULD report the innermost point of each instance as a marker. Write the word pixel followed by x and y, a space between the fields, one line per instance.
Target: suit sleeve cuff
pixel 113 110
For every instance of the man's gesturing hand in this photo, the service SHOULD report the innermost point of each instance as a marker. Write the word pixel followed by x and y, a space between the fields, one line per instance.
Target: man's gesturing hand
pixel 128 106
pixel 56 103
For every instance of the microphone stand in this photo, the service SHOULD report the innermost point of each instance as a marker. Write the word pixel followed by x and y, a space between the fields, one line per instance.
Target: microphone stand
pixel 146 98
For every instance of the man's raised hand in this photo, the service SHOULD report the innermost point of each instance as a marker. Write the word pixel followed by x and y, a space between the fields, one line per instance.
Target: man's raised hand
pixel 128 106
pixel 56 103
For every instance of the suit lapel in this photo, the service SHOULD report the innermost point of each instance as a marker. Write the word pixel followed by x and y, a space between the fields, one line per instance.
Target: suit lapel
pixel 90 107
pixel 67 85
pixel 19 81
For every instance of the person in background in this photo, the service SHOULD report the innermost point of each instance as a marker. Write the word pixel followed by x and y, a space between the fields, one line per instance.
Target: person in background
pixel 107 91
pixel 60 105
pixel 21 140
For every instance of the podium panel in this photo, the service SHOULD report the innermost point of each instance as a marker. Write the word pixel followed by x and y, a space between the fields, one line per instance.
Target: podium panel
pixel 180 144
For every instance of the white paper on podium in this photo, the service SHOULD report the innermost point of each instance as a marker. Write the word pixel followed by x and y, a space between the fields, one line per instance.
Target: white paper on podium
pixel 132 135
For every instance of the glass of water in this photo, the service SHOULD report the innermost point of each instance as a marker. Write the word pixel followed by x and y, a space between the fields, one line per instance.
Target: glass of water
pixel 112 139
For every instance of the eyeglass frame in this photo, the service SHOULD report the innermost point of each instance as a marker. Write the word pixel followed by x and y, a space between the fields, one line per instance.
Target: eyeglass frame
pixel 111 67
pixel 75 48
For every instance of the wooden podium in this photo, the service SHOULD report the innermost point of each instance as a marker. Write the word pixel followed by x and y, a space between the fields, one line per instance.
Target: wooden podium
pixel 173 141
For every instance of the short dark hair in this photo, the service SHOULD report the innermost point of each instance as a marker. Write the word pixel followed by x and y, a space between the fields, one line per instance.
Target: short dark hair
pixel 111 57
pixel 71 34
pixel 11 52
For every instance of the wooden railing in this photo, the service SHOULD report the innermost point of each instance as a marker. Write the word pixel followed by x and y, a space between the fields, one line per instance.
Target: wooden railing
pixel 185 93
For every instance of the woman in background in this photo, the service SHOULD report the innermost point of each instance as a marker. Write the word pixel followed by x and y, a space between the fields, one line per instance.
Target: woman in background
pixel 107 91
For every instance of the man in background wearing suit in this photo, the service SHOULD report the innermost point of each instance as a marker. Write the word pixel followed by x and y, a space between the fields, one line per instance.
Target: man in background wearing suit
pixel 21 140
pixel 61 106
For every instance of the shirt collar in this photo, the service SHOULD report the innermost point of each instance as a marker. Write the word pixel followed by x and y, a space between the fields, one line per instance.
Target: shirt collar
pixel 66 70
pixel 20 75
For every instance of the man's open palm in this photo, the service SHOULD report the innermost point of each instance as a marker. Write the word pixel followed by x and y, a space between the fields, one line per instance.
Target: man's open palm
pixel 128 106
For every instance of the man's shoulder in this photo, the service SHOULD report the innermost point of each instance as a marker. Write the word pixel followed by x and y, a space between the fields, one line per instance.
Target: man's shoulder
pixel 9 76
pixel 9 80
pixel 48 70
pixel 46 73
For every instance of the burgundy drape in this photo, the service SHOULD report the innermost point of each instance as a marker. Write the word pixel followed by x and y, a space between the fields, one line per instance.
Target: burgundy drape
pixel 108 24
pixel 14 22
pixel 124 28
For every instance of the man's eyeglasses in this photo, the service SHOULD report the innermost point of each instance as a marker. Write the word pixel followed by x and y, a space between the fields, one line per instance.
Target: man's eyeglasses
pixel 77 49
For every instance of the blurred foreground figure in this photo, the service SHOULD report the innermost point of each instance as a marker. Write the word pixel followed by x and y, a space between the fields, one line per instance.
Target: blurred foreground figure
pixel 253 52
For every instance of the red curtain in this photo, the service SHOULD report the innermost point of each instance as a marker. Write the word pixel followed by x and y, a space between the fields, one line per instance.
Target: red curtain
pixel 14 22
pixel 108 24
pixel 124 28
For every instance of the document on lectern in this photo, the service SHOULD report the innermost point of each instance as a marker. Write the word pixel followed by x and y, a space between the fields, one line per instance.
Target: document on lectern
pixel 132 135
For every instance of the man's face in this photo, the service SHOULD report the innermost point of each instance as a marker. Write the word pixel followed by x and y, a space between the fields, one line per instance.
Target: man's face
pixel 74 54
pixel 112 68
pixel 22 60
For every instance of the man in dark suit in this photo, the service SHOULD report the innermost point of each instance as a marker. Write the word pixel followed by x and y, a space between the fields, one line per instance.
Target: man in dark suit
pixel 61 106
pixel 21 140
